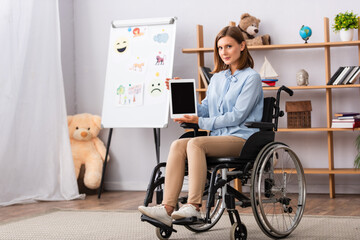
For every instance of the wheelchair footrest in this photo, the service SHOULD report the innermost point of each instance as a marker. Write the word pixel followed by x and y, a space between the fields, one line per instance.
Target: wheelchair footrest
pixel 245 203
pixel 156 223
pixel 189 221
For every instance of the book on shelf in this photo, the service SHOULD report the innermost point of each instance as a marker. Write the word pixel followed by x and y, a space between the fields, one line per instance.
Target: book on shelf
pixel 345 75
pixel 346 114
pixel 346 120
pixel 348 117
pixel 336 74
pixel 351 73
pixel 206 75
pixel 345 123
pixel 342 75
pixel 354 77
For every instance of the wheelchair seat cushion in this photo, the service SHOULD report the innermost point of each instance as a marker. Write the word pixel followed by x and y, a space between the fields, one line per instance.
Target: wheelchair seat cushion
pixel 191 134
pixel 219 160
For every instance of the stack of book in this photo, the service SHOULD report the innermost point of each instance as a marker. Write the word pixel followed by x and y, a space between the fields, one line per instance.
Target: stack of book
pixel 346 120
pixel 206 75
pixel 345 75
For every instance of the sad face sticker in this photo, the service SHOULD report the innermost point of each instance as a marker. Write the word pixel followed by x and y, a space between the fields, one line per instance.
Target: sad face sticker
pixel 156 87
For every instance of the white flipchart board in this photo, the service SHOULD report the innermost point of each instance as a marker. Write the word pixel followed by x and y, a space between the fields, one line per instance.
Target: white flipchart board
pixel 140 58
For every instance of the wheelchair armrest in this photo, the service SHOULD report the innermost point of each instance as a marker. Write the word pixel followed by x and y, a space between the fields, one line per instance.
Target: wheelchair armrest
pixel 190 125
pixel 261 125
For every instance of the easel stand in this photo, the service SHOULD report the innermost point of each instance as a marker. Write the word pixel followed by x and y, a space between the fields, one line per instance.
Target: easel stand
pixel 157 149
pixel 157 144
pixel 105 162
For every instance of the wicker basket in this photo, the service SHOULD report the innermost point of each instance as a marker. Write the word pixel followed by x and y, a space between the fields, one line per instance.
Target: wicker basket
pixel 298 114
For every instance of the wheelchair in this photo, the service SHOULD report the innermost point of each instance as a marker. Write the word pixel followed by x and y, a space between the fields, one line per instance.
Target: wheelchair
pixel 271 169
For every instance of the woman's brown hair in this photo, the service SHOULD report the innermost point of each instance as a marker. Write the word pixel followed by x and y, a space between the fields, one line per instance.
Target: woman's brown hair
pixel 245 59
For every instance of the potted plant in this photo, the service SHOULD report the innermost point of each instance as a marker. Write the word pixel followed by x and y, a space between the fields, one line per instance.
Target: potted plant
pixel 357 158
pixel 345 23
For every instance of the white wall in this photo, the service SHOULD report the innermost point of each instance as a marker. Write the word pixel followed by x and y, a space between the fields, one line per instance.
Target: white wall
pixel 132 150
pixel 66 9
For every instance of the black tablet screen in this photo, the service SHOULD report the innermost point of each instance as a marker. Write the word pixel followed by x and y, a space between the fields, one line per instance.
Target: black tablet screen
pixel 183 99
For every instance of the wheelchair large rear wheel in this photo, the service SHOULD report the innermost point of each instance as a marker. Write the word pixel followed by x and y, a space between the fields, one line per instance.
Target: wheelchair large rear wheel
pixel 278 190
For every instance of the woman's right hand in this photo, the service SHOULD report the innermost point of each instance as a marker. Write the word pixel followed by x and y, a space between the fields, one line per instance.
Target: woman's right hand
pixel 167 81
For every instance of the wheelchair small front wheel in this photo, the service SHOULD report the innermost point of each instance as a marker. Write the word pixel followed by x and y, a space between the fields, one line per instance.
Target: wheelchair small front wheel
pixel 163 234
pixel 278 190
pixel 238 232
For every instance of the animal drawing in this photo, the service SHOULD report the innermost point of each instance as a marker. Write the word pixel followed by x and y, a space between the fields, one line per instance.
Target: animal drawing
pixel 160 60
pixel 137 67
pixel 137 32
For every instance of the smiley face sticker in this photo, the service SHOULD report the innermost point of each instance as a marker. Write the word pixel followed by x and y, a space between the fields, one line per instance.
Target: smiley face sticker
pixel 121 45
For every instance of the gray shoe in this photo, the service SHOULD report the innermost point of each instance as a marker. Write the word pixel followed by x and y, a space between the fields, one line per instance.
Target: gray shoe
pixel 186 211
pixel 157 212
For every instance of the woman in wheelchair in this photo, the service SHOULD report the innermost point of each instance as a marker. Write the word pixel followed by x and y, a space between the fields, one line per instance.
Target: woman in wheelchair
pixel 234 96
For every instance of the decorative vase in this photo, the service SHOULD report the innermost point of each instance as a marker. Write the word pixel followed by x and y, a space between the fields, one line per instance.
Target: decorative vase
pixel 346 35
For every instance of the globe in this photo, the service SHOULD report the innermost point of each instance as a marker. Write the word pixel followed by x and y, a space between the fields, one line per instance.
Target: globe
pixel 305 33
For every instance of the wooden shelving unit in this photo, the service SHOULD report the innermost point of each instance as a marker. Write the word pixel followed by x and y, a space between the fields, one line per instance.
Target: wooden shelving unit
pixel 282 46
pixel 326 45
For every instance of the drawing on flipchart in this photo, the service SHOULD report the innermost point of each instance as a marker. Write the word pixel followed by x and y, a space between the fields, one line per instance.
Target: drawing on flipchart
pixel 129 95
pixel 143 64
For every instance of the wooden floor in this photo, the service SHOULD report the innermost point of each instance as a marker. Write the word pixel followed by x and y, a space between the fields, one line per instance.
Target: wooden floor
pixel 316 204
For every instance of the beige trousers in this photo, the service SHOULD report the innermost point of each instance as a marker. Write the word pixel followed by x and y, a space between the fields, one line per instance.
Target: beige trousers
pixel 194 151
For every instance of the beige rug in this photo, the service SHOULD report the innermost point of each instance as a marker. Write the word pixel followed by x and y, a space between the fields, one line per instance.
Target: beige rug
pixel 127 225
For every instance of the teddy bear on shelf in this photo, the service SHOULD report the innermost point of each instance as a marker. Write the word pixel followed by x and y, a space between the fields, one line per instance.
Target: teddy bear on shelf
pixel 87 149
pixel 249 26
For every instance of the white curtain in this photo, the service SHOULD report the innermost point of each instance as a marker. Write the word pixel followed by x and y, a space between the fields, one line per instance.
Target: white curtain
pixel 35 154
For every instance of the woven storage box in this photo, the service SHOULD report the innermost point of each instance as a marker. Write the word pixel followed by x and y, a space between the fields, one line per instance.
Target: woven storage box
pixel 298 114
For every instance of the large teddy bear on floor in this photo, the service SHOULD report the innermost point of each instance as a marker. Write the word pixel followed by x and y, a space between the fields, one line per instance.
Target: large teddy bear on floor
pixel 87 149
pixel 249 26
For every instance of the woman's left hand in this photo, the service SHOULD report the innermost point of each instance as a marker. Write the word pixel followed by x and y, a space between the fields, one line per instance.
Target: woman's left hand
pixel 187 119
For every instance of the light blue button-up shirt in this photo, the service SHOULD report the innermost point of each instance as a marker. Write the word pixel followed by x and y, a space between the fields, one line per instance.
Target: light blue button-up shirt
pixel 232 100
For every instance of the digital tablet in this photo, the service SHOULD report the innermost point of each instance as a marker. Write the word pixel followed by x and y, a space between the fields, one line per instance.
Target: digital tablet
pixel 182 97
